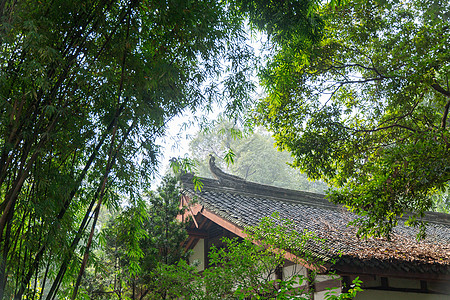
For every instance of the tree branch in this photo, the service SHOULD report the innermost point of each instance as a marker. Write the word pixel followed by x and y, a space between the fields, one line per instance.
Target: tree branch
pixel 445 115
pixel 386 127
pixel 437 87
pixel 409 113
pixel 440 89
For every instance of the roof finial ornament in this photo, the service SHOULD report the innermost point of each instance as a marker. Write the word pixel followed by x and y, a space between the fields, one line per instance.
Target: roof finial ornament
pixel 221 176
pixel 212 165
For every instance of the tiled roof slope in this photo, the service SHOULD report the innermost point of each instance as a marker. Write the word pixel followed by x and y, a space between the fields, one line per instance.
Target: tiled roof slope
pixel 245 204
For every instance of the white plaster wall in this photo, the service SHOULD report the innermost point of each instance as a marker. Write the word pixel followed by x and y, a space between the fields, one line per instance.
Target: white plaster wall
pixel 320 278
pixel 289 271
pixel 198 255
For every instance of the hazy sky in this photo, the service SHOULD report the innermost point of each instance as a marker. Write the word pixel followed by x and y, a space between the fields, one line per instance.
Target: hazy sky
pixel 176 142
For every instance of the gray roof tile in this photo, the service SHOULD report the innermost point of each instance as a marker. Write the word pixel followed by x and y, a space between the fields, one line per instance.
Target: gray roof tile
pixel 245 204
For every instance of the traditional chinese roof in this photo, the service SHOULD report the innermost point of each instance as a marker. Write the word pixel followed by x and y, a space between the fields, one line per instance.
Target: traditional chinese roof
pixel 241 203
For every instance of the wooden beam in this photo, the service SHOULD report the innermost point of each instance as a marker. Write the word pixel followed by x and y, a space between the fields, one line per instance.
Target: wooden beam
pixel 322 286
pixel 404 290
pixel 192 241
pixel 198 233
pixel 310 283
pixel 384 282
pixel 223 223
pixel 346 283
pixel 202 223
pixel 191 211
pixel 424 285
pixel 363 271
pixel 206 253
pixel 328 284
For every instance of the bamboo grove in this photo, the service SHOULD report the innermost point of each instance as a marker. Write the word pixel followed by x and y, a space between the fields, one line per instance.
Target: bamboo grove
pixel 85 89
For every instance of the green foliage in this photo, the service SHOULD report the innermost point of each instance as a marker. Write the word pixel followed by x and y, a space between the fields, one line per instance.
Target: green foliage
pixel 166 233
pixel 366 108
pixel 178 281
pixel 246 268
pixel 243 269
pixel 141 244
pixel 354 288
pixel 86 87
pixel 229 157
pixel 441 202
pixel 239 269
pixel 284 21
pixel 253 157
pixel 185 164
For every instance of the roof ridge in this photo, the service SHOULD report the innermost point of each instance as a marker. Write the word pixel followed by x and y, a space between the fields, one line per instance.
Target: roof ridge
pixel 233 184
pixel 233 181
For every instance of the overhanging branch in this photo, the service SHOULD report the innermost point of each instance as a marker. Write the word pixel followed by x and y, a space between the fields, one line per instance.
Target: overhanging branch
pixel 386 127
pixel 437 87
pixel 445 114
pixel 440 89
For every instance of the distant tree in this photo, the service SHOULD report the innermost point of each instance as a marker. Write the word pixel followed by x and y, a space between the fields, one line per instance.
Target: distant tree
pixel 255 157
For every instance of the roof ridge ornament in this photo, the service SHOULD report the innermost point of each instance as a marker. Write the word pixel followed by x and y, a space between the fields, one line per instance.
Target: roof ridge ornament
pixel 223 178
pixel 235 184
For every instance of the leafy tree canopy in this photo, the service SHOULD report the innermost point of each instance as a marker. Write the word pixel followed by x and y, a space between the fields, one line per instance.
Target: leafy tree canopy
pixel 366 108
